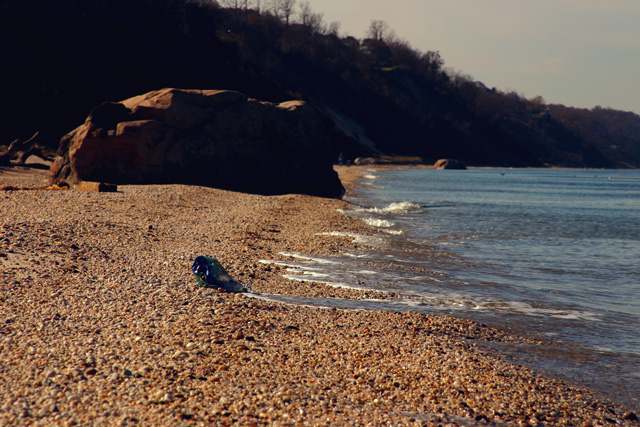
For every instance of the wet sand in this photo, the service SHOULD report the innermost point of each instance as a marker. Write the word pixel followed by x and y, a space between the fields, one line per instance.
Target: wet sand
pixel 101 323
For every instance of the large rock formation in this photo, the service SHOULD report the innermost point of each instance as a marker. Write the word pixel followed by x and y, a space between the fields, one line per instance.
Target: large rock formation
pixel 212 138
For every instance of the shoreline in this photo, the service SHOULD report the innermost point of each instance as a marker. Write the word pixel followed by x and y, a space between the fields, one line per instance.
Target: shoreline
pixel 542 354
pixel 102 323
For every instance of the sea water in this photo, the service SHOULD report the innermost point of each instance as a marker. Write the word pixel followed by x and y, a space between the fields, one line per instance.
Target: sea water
pixel 552 254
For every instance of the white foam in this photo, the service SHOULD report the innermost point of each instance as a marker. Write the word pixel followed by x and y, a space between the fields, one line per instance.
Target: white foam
pixel 309 258
pixel 352 255
pixel 425 279
pixel 605 349
pixel 402 207
pixel 318 270
pixel 342 234
pixel 527 309
pixel 341 285
pixel 394 232
pixel 362 239
pixel 374 222
pixel 395 207
pixel 306 272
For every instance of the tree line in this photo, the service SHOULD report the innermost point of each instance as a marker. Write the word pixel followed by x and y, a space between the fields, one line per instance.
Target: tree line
pixel 70 56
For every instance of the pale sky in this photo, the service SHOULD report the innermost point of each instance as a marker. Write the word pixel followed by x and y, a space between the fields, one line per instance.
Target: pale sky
pixel 580 53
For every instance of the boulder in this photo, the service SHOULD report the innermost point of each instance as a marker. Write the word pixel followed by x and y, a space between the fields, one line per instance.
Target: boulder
pixel 212 138
pixel 449 164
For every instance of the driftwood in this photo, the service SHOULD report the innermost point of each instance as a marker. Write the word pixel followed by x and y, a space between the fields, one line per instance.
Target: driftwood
pixel 23 149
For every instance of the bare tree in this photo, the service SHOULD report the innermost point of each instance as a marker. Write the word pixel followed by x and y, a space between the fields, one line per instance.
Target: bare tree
pixel 312 21
pixel 232 4
pixel 378 30
pixel 275 6
pixel 433 61
pixel 287 9
pixel 334 29
pixel 246 4
pixel 305 12
pixel 237 5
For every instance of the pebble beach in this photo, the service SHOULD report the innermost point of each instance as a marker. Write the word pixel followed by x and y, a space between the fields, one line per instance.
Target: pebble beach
pixel 101 322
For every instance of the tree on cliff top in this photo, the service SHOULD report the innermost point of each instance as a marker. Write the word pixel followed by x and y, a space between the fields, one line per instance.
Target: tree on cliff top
pixel 70 56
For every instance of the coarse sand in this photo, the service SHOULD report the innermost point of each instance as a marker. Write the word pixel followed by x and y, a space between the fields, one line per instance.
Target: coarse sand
pixel 101 323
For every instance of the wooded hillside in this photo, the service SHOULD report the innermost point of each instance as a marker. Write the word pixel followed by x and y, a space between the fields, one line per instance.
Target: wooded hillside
pixel 380 95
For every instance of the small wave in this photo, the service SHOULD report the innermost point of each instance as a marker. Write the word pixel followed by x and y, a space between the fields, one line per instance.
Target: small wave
pixel 409 207
pixel 333 284
pixel 398 208
pixel 352 255
pixel 356 238
pixel 309 258
pixel 367 272
pixel 441 204
pixel 373 241
pixel 394 232
pixel 528 309
pixel 604 349
pixel 374 222
pixel 297 272
pixel 322 270
pixel 403 207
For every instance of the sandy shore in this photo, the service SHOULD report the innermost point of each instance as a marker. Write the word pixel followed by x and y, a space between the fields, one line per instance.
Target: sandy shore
pixel 101 323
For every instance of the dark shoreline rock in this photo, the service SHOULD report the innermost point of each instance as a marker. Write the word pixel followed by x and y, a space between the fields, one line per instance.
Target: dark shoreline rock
pixel 450 164
pixel 389 160
pixel 220 139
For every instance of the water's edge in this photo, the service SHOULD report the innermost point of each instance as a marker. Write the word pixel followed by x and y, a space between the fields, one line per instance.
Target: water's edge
pixel 383 266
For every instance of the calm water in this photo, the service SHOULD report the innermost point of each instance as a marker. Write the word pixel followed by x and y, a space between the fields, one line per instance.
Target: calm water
pixel 553 253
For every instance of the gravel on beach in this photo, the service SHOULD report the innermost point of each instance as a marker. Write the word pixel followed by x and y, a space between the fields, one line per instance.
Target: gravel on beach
pixel 101 323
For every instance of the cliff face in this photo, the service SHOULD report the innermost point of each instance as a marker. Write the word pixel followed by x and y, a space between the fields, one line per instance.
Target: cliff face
pixel 374 97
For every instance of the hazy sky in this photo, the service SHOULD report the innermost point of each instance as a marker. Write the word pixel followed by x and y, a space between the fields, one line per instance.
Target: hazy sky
pixel 580 53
